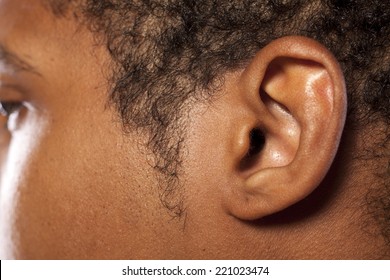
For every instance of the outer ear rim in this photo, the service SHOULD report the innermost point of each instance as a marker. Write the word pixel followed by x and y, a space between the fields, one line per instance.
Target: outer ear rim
pixel 302 48
pixel 250 203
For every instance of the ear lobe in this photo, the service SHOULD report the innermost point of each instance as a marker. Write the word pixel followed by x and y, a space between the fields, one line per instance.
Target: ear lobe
pixel 301 115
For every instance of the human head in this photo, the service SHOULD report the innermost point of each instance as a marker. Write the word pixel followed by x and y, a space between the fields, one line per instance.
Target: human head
pixel 188 99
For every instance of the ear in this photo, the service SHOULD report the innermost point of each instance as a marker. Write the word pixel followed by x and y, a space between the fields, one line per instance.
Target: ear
pixel 295 100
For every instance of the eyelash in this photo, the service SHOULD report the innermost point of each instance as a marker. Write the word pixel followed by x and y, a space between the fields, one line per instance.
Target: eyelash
pixel 8 108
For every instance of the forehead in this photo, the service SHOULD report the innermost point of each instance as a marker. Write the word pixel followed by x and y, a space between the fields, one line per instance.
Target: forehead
pixel 34 33
pixel 27 29
pixel 57 6
pixel 16 14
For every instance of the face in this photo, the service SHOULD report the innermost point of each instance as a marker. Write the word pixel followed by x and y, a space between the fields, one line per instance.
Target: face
pixel 72 185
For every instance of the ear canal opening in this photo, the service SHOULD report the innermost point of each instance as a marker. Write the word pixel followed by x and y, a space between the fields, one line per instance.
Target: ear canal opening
pixel 257 141
pixel 256 145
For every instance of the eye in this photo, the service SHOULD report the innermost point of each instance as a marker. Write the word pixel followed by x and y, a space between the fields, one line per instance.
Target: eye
pixel 8 108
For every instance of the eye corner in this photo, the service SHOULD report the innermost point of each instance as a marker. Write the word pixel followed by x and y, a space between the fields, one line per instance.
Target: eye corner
pixel 8 108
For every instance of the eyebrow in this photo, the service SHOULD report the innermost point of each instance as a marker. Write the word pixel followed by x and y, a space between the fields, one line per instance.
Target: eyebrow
pixel 15 62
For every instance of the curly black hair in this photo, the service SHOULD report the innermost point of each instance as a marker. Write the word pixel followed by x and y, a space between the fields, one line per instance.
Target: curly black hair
pixel 168 53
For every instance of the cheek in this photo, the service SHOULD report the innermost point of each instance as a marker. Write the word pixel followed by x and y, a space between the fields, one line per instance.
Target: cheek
pixel 4 142
pixel 56 197
pixel 15 152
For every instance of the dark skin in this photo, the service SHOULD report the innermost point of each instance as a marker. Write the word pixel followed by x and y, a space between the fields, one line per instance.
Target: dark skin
pixel 73 185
